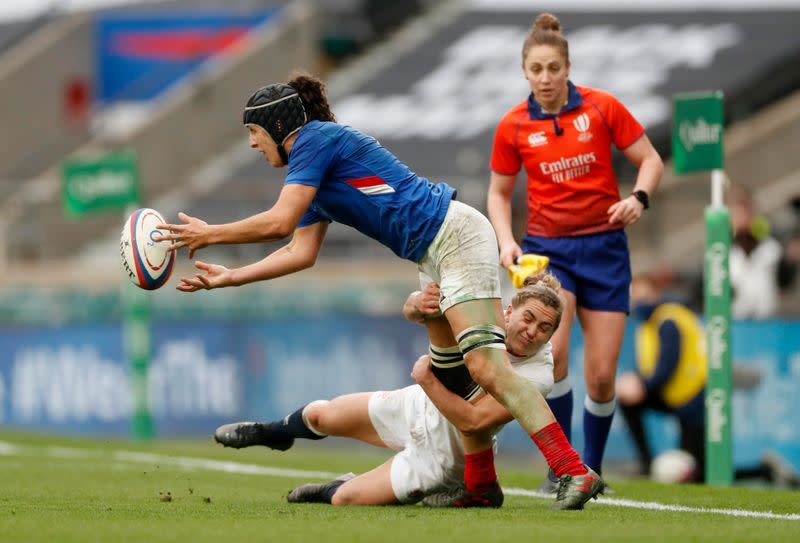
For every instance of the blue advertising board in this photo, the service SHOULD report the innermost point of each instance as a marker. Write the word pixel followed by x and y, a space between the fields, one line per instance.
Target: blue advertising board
pixel 73 379
pixel 139 55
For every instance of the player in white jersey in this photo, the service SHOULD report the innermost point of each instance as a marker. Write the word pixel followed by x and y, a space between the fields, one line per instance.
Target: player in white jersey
pixel 414 420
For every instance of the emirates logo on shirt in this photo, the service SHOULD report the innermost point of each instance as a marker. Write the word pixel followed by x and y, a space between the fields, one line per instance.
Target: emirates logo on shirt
pixel 568 168
pixel 536 139
pixel 581 124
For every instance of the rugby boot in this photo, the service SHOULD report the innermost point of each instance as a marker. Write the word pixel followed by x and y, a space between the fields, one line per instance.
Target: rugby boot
pixel 550 484
pixel 317 493
pixel 445 498
pixel 458 496
pixel 246 434
pixel 575 490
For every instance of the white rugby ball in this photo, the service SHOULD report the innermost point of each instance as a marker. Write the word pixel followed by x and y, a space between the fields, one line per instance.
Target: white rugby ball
pixel 673 466
pixel 147 262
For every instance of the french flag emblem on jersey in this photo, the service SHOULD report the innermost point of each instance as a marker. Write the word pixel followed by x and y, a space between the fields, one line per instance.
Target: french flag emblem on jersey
pixel 370 185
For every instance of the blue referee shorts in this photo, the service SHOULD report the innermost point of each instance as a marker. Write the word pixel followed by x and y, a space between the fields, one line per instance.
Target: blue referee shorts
pixel 595 267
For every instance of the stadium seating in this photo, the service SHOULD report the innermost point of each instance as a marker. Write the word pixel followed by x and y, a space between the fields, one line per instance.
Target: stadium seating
pixel 425 64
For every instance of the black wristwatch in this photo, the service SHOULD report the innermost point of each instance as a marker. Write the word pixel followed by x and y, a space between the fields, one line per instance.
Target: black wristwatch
pixel 643 198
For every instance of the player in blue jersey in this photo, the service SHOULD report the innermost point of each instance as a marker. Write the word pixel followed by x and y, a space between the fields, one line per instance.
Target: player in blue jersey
pixel 336 173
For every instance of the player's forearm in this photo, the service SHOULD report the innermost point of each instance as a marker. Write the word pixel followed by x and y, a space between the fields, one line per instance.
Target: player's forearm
pixel 284 261
pixel 650 172
pixel 262 227
pixel 499 210
pixel 461 414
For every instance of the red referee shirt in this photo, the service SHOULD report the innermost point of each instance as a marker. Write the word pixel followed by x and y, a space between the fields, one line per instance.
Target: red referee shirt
pixel 567 157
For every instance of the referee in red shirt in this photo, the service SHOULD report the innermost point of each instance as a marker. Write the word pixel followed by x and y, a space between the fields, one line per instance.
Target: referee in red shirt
pixel 562 134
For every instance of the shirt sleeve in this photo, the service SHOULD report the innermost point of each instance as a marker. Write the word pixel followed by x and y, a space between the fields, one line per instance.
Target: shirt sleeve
pixel 625 129
pixel 311 217
pixel 309 159
pixel 506 159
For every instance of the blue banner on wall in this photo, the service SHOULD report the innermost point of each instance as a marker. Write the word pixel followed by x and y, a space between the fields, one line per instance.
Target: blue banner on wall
pixel 140 55
pixel 202 374
pixel 73 379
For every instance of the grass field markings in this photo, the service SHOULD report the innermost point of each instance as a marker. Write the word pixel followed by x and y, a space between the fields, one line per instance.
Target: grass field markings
pixel 71 452
pixel 9 449
pixel 189 463
pixel 184 462
pixel 655 506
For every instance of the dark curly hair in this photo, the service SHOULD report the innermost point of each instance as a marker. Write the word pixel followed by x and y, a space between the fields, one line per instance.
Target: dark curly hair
pixel 312 94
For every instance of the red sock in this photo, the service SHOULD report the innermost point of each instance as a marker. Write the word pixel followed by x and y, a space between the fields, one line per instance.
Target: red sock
pixel 479 474
pixel 560 455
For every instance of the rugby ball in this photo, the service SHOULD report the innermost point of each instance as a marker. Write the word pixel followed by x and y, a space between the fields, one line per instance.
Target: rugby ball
pixel 147 262
pixel 673 466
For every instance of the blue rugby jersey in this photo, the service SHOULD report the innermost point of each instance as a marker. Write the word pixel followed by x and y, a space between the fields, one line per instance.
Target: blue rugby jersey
pixel 363 185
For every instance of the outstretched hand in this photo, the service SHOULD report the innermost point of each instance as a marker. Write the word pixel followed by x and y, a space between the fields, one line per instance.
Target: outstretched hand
pixel 194 234
pixel 215 276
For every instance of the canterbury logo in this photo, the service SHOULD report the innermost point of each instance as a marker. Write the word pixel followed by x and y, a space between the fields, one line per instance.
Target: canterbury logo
pixel 581 123
pixel 537 138
pixel 370 185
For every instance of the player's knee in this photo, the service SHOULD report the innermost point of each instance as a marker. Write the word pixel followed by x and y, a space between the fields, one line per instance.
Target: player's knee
pixel 343 497
pixel 601 384
pixel 348 495
pixel 317 415
pixel 560 367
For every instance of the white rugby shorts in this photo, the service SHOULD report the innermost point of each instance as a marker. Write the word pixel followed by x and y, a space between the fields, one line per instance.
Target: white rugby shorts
pixel 431 456
pixel 463 258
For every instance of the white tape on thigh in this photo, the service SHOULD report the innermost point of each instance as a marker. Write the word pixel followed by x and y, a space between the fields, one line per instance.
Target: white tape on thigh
pixel 446 357
pixel 483 336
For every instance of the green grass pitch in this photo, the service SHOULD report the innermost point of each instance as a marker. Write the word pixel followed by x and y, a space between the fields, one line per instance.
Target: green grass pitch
pixel 61 490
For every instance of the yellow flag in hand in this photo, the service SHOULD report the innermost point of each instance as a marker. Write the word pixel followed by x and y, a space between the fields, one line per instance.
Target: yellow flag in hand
pixel 525 266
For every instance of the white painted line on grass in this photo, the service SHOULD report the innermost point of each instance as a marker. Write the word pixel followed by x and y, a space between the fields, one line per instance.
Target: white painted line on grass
pixel 186 462
pixel 189 463
pixel 655 506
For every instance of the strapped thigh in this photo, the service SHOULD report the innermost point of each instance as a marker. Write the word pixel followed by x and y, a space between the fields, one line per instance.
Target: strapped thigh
pixel 448 366
pixel 488 336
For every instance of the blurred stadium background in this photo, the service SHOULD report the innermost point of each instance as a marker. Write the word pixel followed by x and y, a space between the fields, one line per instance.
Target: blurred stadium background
pixel 429 78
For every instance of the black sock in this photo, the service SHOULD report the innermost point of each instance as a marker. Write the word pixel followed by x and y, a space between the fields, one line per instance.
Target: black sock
pixel 331 490
pixel 457 380
pixel 294 426
pixel 447 364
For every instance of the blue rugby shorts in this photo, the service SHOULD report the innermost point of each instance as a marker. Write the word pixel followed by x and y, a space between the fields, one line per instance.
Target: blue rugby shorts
pixel 594 267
